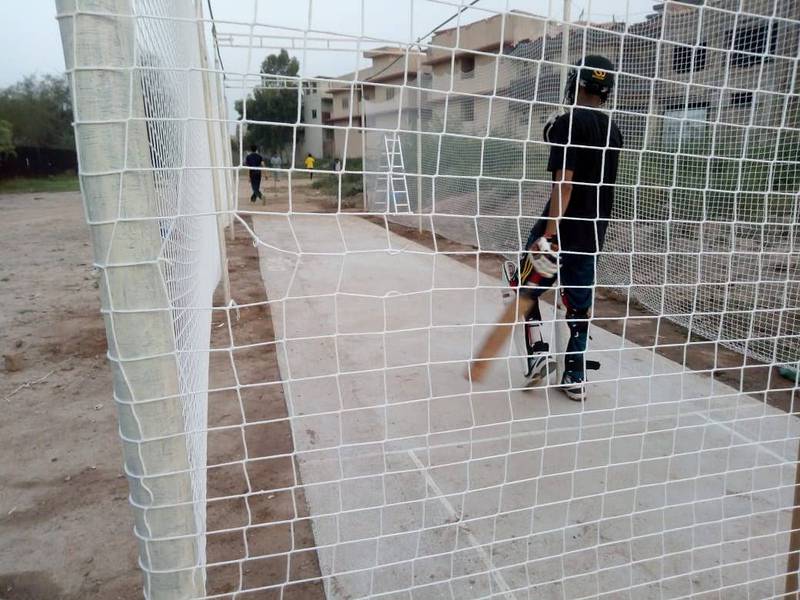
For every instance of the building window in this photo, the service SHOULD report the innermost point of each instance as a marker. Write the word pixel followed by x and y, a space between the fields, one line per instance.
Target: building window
pixel 751 44
pixel 688 58
pixel 741 98
pixel 369 92
pixel 313 113
pixel 467 109
pixel 467 67
pixel 345 103
pixel 390 93
pixel 685 127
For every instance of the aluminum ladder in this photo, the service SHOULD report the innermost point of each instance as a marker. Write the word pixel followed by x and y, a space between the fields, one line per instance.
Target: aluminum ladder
pixel 392 188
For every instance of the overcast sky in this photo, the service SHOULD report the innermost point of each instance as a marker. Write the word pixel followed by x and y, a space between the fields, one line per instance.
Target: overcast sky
pixel 30 41
pixel 399 21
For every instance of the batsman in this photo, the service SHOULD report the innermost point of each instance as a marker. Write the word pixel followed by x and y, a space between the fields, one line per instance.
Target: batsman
pixel 564 243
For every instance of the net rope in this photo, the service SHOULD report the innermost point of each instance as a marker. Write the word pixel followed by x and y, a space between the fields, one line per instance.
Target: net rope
pixel 335 448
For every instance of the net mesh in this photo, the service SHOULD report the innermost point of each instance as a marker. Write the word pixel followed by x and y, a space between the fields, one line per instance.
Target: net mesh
pixel 705 196
pixel 333 446
pixel 181 131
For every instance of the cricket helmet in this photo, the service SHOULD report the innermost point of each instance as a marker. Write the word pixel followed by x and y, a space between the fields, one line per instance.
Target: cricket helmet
pixel 594 73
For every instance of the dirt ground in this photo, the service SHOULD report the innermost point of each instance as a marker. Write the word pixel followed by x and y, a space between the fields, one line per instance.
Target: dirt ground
pixel 248 512
pixel 65 524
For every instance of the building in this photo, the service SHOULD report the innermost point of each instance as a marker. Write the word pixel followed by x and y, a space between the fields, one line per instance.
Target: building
pixel 317 106
pixel 376 96
pixel 470 68
pixel 727 69
pixel 701 78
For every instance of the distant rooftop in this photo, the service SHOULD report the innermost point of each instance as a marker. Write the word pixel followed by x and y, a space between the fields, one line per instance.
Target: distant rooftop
pixel 495 16
pixel 388 51
pixel 659 6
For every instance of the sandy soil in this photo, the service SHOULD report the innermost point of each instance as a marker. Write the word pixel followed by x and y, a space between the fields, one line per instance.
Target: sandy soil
pixel 247 515
pixel 247 510
pixel 65 526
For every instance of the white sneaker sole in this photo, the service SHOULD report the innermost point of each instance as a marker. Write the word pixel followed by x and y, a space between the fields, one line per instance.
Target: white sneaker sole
pixel 541 375
pixel 576 393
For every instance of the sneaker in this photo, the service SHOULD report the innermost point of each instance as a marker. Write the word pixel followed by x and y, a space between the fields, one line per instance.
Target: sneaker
pixel 539 369
pixel 540 364
pixel 574 386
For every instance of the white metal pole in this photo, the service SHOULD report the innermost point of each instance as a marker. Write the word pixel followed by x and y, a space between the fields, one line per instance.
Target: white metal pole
pixel 230 178
pixel 565 45
pixel 363 123
pixel 230 182
pixel 220 202
pixel 419 141
pixel 560 326
pixel 116 182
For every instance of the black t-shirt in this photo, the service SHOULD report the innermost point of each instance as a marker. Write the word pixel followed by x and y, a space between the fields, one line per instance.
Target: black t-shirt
pixel 253 159
pixel 581 142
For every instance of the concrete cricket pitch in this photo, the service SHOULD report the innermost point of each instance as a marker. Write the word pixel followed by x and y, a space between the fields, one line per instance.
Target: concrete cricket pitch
pixel 665 484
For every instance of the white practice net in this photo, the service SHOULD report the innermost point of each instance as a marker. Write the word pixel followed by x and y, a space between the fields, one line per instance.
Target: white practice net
pixel 183 185
pixel 361 170
pixel 707 193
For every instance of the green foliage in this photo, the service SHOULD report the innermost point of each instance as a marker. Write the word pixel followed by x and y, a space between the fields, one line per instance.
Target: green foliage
pixel 65 182
pixel 280 64
pixel 6 139
pixel 744 178
pixel 272 103
pixel 39 111
pixel 352 182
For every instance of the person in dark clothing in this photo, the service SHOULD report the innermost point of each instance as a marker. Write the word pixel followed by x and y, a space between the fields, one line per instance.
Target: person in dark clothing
pixel 564 242
pixel 254 161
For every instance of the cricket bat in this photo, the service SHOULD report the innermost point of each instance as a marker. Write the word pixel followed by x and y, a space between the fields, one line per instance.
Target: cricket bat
pixel 497 338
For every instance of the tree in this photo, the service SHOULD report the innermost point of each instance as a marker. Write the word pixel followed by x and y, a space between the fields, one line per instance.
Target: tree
pixel 276 100
pixel 6 140
pixel 39 111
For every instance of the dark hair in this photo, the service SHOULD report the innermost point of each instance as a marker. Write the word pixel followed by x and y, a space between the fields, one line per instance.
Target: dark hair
pixel 309 153
pixel 594 73
pixel 253 148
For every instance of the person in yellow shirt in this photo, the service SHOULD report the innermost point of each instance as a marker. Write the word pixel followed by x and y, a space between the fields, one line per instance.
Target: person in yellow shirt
pixel 310 162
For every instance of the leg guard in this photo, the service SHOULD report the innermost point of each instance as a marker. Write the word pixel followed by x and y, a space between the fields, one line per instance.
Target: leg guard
pixel 529 344
pixel 536 349
pixel 571 334
pixel 510 277
pixel 574 359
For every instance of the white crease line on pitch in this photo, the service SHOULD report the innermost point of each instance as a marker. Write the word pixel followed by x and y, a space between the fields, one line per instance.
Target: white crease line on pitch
pixel 742 436
pixel 551 430
pixel 487 561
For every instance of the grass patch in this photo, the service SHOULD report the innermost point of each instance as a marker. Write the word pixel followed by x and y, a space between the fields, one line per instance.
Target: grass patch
pixel 63 182
pixel 352 180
